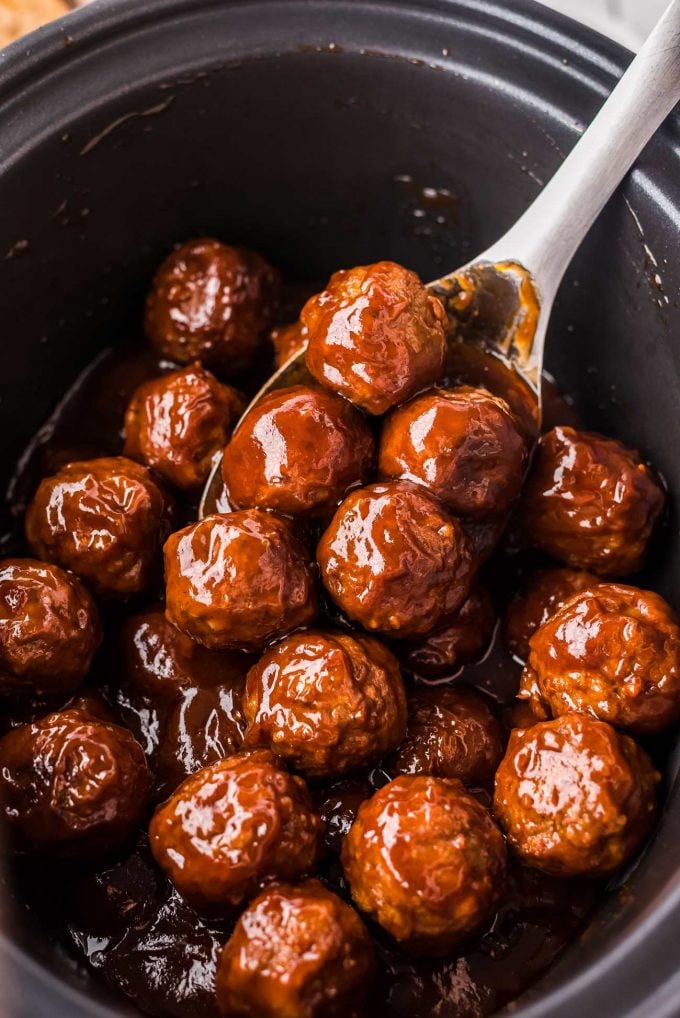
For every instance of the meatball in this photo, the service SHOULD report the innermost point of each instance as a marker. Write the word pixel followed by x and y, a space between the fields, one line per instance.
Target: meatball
pixel 590 502
pixel 211 302
pixel 91 702
pixel 148 944
pixel 326 703
pixel 298 952
pixel 157 659
pixel 22 711
pixel 231 826
pixel 338 805
pixel 458 641
pixel 143 716
pixel 394 560
pixel 238 580
pixel 451 734
pixel 611 651
pixel 176 424
pixel 484 536
pixel 181 700
pixel 205 726
pixel 545 591
pixel 105 520
pixel 49 629
pixel 119 894
pixel 520 715
pixel 298 451
pixel 575 797
pixel 463 444
pixel 72 785
pixel 376 335
pixel 288 340
pixel 425 859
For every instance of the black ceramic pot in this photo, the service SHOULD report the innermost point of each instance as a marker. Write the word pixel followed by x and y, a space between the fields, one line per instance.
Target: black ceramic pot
pixel 308 129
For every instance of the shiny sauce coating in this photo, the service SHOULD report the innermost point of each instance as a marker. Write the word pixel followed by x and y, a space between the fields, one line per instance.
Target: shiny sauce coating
pixel 146 941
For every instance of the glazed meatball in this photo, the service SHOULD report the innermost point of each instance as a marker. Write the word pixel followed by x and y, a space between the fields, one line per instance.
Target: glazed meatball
pixel 176 424
pixel 544 592
pixel 338 805
pixel 451 734
pixel 146 942
pixel 232 825
pixel 92 703
pixel 520 715
pixel 484 536
pixel 20 712
pixel 49 629
pixel 590 502
pixel 297 451
pixel 611 651
pixel 326 703
pixel 298 952
pixel 425 859
pixel 238 580
pixel 288 340
pixel 105 520
pixel 72 785
pixel 211 302
pixel 205 726
pixel 463 444
pixel 575 797
pixel 457 642
pixel 157 659
pixel 376 335
pixel 394 560
pixel 181 701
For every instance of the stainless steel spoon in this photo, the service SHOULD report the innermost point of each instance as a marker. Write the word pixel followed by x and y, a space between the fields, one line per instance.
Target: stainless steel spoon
pixel 500 302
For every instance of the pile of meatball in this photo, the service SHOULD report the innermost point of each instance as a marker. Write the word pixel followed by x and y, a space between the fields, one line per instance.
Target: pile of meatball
pixel 316 633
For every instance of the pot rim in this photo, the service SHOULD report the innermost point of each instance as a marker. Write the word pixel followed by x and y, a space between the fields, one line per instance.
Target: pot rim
pixel 598 62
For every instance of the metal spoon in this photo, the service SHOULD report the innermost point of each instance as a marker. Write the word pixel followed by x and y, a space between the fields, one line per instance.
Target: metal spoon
pixel 500 302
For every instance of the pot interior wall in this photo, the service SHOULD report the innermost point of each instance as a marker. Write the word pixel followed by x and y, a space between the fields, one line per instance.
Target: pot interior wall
pixel 310 132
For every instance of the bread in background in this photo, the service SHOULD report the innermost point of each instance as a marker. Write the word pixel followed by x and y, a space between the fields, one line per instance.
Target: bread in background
pixel 17 17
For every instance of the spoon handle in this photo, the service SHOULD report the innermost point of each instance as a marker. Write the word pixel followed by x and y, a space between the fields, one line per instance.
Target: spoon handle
pixel 547 235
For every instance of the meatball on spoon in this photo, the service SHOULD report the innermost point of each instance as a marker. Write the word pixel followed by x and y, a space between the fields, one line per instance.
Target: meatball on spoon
pixel 499 304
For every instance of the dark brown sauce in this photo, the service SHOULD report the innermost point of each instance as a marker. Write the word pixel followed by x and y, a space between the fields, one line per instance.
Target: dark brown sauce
pixel 136 933
pixel 127 924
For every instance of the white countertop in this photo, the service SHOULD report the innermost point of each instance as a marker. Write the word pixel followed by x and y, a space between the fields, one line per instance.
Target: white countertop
pixel 627 21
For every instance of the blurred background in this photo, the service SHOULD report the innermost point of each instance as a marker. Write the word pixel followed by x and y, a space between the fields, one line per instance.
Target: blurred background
pixel 17 17
pixel 627 21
